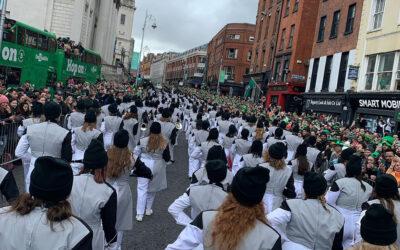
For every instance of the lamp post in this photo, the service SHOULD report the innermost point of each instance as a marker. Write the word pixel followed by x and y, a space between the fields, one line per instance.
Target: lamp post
pixel 3 18
pixel 148 18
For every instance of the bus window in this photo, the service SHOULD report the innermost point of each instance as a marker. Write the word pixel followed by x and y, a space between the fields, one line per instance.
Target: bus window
pixel 52 44
pixel 31 39
pixel 9 35
pixel 42 42
pixel 21 36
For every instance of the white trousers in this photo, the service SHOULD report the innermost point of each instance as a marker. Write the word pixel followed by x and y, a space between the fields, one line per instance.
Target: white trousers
pixel 144 199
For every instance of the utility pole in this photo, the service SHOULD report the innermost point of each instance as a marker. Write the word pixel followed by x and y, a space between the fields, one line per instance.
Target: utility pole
pixel 2 20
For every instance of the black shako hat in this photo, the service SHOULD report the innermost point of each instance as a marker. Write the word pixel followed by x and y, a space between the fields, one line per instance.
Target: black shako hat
pixel 90 116
pixel 121 139
pixel 314 184
pixel 51 179
pixel 353 166
pixel 277 151
pixel 345 155
pixel 302 150
pixel 378 226
pixel 52 110
pixel 155 128
pixel 166 113
pixel 95 156
pixel 113 108
pixel 386 186
pixel 216 171
pixel 249 184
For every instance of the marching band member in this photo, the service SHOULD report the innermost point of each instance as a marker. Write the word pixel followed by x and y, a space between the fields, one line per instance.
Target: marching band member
pixel 260 133
pixel 202 151
pixel 76 118
pixel 347 195
pixel 45 139
pixel 81 138
pixel 278 137
pixel 313 154
pixel 169 131
pixel 293 141
pixel 111 124
pixel 223 124
pixel 194 164
pixel 254 157
pixel 240 147
pixel 8 186
pixel 42 219
pixel 300 165
pixel 131 125
pixel 227 142
pixel 153 151
pixel 309 223
pixel 203 196
pixel 281 184
pixel 338 170
pixel 93 199
pixel 120 162
pixel 387 194
pixel 243 206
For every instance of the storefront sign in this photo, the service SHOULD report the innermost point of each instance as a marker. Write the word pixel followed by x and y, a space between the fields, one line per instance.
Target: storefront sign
pixel 353 72
pixel 298 77
pixel 325 105
pixel 279 88
pixel 378 104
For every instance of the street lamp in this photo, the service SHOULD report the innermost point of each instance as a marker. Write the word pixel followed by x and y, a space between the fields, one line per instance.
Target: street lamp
pixel 148 18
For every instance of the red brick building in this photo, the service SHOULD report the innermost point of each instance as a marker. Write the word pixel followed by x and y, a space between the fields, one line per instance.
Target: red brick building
pixel 187 67
pixel 267 27
pixel 293 51
pixel 334 43
pixel 230 50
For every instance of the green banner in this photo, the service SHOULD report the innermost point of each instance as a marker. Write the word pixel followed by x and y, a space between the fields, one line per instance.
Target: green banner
pixel 221 76
pixel 135 60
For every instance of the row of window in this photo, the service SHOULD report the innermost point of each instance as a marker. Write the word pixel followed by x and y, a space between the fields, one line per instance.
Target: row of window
pixel 351 15
pixel 30 39
pixel 327 73
pixel 237 37
pixel 295 6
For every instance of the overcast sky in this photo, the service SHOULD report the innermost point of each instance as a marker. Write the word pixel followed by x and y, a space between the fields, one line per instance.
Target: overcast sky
pixel 184 24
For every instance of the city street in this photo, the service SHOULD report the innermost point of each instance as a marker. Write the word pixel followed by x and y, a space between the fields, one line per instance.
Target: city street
pixel 158 230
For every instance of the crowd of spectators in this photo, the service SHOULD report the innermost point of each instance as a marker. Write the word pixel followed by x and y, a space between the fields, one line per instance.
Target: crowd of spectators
pixel 71 48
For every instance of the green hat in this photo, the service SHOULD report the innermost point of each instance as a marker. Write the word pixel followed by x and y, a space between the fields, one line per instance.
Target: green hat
pixel 326 131
pixel 375 154
pixel 388 140
pixel 339 143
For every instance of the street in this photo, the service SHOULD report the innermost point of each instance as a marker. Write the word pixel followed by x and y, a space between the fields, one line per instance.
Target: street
pixel 159 229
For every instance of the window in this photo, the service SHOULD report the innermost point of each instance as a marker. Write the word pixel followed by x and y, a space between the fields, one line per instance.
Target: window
pixel 52 44
pixel 385 69
pixel 21 36
pixel 263 58
pixel 287 8
pixel 229 73
pixel 42 42
pixel 327 73
pixel 122 19
pixel 314 75
pixel 232 53
pixel 247 71
pixel 377 14
pixel 282 45
pixel 296 6
pixel 277 69
pixel 233 37
pixel 31 39
pixel 249 55
pixel 321 30
pixel 351 15
pixel 285 70
pixel 342 72
pixel 397 78
pixel 251 39
pixel 369 76
pixel 290 43
pixel 335 24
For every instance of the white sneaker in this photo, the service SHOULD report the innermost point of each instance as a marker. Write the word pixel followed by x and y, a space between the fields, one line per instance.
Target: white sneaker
pixel 149 212
pixel 139 217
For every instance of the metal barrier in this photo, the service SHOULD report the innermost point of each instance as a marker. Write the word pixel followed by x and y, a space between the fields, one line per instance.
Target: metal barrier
pixel 8 143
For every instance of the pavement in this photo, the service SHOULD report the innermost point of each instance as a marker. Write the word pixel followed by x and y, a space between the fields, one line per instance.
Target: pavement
pixel 158 230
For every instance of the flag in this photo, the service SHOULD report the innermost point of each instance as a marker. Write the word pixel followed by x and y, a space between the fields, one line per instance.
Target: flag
pixel 135 61
pixel 221 76
pixel 250 87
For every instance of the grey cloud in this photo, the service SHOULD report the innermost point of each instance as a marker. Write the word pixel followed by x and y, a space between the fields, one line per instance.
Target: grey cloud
pixel 184 24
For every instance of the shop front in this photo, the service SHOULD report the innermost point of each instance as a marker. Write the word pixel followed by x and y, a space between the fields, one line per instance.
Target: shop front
pixel 379 109
pixel 286 95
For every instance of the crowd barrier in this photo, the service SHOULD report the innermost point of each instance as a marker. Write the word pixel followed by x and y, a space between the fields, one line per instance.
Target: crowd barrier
pixel 9 140
pixel 8 143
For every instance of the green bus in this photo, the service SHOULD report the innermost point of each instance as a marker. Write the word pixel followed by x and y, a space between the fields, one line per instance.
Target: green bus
pixel 30 54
